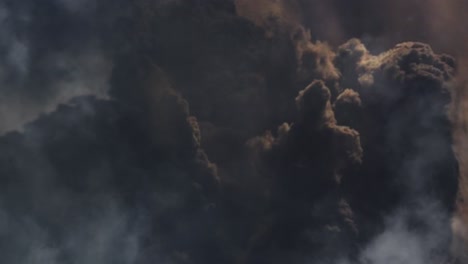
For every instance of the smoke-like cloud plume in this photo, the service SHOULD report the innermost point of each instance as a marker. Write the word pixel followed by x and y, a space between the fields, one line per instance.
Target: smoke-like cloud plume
pixel 228 131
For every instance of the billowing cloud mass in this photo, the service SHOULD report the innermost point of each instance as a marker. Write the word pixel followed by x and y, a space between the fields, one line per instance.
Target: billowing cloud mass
pixel 222 131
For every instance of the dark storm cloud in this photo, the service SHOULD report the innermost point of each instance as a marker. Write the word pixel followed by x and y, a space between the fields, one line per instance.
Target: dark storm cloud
pixel 305 166
pixel 92 183
pixel 408 87
pixel 404 121
pixel 229 139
